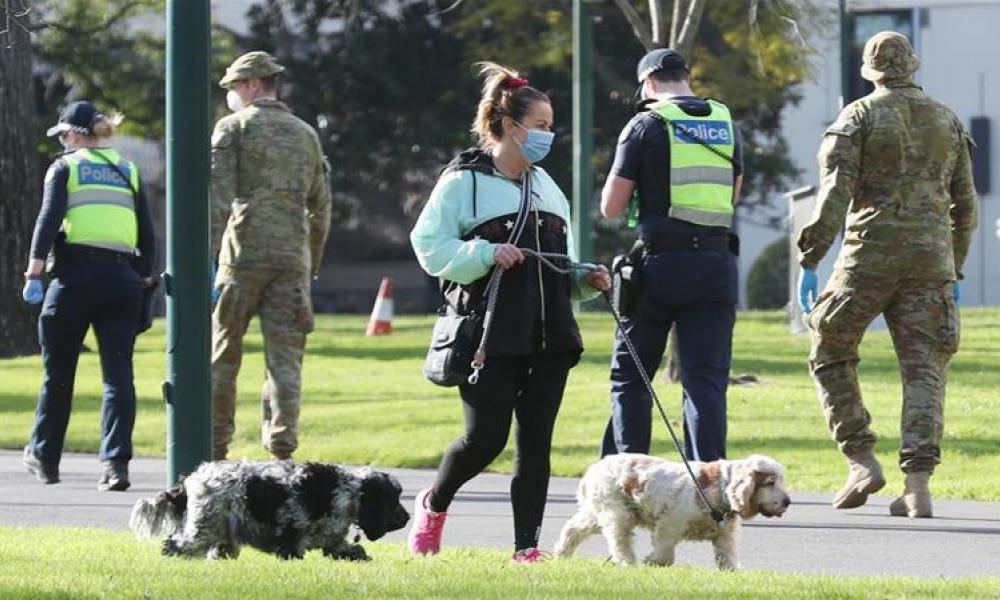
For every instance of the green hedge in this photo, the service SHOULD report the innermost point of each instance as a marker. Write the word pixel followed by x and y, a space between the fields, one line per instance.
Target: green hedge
pixel 767 283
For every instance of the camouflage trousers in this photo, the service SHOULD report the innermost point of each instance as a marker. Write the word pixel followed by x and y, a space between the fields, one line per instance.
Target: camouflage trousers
pixel 281 300
pixel 923 323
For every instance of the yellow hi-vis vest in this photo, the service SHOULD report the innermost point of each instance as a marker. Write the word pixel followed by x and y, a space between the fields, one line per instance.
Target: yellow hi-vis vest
pixel 100 207
pixel 701 181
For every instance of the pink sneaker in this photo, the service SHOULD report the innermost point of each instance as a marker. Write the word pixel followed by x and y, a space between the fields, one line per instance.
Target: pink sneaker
pixel 529 556
pixel 425 533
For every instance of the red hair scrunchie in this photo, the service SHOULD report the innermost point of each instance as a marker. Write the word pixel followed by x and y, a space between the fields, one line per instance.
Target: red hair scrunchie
pixel 513 83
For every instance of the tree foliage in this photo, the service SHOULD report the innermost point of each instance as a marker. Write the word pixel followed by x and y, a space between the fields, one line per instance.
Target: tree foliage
pixel 112 52
pixel 767 282
pixel 391 88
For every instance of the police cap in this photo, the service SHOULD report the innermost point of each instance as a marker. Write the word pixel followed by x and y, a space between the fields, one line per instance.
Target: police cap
pixel 78 116
pixel 251 65
pixel 659 59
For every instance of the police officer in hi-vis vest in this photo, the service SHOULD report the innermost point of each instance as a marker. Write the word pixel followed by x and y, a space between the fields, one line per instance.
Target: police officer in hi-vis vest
pixel 95 218
pixel 679 163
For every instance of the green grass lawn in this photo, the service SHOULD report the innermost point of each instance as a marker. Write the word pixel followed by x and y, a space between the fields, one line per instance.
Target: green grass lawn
pixel 365 401
pixel 90 563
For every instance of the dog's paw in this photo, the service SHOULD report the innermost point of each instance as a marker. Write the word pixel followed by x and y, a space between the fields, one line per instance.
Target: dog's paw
pixel 223 552
pixel 353 552
pixel 657 561
pixel 170 548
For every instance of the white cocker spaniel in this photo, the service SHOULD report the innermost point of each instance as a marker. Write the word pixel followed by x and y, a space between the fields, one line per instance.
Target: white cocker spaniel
pixel 625 491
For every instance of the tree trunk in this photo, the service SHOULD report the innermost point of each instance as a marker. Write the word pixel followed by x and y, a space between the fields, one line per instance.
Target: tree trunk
pixel 19 196
pixel 638 26
pixel 683 33
pixel 659 23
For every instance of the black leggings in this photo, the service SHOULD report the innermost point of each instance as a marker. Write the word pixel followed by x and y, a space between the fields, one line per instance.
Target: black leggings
pixel 530 387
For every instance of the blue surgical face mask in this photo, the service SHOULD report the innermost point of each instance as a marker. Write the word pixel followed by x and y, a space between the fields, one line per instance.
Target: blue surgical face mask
pixel 537 145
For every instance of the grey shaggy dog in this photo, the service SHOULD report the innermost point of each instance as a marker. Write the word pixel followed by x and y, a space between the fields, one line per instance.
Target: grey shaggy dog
pixel 281 507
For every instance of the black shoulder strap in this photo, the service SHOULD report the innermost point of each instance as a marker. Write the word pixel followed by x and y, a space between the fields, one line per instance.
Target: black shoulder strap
pixel 690 136
pixel 473 193
pixel 128 181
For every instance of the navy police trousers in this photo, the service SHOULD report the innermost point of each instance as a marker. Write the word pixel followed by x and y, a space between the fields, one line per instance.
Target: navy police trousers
pixel 108 296
pixel 698 291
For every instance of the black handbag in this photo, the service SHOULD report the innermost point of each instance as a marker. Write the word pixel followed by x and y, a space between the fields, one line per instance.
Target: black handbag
pixel 456 337
pixel 453 342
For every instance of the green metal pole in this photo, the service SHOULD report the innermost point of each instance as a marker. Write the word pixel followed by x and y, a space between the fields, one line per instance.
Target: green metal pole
pixel 187 390
pixel 583 124
pixel 845 53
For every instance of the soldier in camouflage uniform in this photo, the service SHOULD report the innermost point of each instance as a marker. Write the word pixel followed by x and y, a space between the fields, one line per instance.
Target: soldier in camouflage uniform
pixel 270 194
pixel 897 164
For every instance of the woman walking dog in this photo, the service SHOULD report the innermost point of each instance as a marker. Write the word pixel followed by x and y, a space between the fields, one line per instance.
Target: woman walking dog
pixel 467 229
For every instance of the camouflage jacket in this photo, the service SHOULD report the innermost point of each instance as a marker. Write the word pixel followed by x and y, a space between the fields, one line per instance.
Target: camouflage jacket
pixel 270 190
pixel 897 163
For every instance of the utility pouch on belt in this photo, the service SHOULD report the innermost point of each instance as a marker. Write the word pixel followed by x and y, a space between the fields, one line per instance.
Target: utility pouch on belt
pixel 626 273
pixel 623 290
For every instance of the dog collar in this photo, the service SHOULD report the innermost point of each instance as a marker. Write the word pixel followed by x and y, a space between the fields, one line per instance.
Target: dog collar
pixel 725 511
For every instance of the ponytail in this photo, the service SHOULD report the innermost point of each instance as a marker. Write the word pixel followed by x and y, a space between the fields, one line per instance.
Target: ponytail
pixel 505 94
pixel 106 126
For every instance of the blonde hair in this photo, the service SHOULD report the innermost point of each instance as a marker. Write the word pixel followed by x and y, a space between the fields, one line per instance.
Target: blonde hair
pixel 505 94
pixel 106 126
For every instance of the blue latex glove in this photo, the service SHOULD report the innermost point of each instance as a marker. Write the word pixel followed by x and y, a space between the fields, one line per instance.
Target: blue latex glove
pixel 34 291
pixel 808 289
pixel 956 291
pixel 215 291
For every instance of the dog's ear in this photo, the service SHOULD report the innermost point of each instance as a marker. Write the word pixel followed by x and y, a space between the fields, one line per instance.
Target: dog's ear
pixel 752 472
pixel 377 504
pixel 767 470
pixel 741 489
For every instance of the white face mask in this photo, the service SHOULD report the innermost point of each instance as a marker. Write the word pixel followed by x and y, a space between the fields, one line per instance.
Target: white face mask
pixel 233 101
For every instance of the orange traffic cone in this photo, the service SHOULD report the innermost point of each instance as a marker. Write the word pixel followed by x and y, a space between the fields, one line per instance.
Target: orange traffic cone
pixel 381 321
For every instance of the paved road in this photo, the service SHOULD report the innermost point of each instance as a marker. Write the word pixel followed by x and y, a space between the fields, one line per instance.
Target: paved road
pixel 963 539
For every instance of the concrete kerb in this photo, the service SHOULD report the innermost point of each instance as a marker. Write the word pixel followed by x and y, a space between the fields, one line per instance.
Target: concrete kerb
pixel 961 541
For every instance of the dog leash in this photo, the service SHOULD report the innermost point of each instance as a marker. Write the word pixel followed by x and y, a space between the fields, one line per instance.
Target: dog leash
pixel 717 515
pixel 493 291
pixel 479 359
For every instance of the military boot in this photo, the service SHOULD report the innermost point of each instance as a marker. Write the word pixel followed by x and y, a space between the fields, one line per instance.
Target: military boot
pixel 863 478
pixel 916 499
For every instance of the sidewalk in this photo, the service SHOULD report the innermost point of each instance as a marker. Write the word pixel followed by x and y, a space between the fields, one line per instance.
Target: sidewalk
pixel 961 541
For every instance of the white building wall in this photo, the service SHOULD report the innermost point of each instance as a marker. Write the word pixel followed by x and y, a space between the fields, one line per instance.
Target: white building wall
pixel 959 50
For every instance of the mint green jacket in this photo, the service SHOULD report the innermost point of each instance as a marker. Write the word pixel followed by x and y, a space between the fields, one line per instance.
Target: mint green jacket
pixel 445 239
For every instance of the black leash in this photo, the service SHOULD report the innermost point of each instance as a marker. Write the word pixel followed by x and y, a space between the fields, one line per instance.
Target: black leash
pixel 717 515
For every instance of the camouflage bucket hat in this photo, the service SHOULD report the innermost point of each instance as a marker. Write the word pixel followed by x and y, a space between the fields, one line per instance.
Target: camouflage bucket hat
pixel 249 66
pixel 888 55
